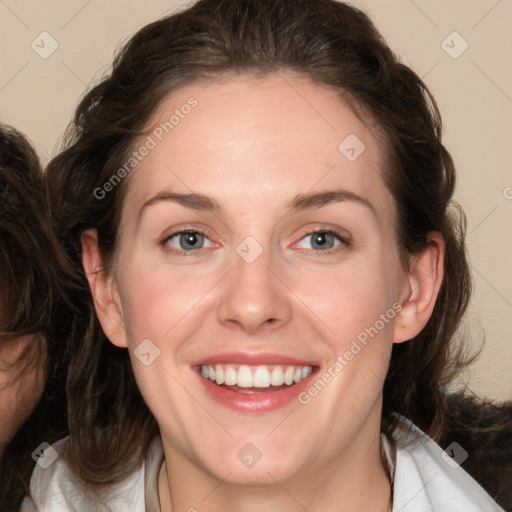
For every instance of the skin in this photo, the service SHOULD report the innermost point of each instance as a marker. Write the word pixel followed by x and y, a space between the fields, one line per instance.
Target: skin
pixel 253 145
pixel 18 394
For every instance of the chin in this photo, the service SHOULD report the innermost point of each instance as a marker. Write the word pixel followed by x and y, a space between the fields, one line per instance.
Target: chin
pixel 246 464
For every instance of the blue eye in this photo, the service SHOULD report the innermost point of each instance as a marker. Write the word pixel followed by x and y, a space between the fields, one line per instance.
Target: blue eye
pixel 186 240
pixel 189 241
pixel 324 240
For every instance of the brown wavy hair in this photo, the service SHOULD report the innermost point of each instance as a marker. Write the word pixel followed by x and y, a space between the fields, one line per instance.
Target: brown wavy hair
pixel 31 300
pixel 329 42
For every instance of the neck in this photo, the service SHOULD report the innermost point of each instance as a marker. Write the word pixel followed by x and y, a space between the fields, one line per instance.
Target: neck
pixel 353 480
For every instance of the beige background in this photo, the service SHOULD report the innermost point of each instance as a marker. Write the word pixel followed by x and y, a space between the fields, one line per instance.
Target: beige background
pixel 474 92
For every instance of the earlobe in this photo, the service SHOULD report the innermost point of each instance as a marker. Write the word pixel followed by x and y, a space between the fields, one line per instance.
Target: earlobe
pixel 425 278
pixel 103 290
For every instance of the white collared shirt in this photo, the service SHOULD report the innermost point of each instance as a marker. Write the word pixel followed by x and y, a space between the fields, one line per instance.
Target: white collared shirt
pixel 425 479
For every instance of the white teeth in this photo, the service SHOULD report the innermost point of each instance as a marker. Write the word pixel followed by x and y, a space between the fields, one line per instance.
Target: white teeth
pixel 288 376
pixel 306 372
pixel 230 376
pixel 277 376
pixel 262 376
pixel 219 374
pixel 244 377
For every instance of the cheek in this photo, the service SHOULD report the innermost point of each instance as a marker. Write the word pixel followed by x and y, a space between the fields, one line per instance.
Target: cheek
pixel 18 394
pixel 355 305
pixel 157 299
pixel 348 299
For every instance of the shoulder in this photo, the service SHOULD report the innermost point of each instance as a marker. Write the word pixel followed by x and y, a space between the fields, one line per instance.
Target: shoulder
pixel 54 488
pixel 430 479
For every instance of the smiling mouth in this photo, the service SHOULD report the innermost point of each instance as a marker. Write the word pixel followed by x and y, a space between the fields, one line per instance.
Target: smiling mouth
pixel 254 379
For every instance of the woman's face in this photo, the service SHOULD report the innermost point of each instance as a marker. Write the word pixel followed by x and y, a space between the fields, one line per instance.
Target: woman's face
pixel 251 170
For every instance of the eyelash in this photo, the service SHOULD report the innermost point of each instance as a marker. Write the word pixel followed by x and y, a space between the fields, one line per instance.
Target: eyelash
pixel 344 242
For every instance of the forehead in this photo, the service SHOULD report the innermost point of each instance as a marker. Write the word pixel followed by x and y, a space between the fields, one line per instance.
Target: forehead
pixel 250 140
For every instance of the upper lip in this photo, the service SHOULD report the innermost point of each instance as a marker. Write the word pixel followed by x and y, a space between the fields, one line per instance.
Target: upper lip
pixel 254 359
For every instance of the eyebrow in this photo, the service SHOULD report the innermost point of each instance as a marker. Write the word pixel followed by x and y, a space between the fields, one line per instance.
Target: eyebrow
pixel 300 202
pixel 318 199
pixel 192 200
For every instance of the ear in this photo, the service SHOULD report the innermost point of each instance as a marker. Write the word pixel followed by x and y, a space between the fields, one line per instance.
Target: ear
pixel 103 289
pixel 425 277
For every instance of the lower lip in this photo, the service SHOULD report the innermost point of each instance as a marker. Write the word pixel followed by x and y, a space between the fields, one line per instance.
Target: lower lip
pixel 259 401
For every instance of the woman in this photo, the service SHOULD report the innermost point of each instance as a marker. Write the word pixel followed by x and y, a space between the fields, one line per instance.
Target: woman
pixel 30 299
pixel 261 202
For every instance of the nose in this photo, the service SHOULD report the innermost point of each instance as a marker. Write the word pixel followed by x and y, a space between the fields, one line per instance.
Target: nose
pixel 255 298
